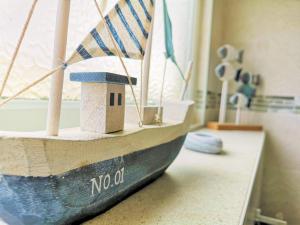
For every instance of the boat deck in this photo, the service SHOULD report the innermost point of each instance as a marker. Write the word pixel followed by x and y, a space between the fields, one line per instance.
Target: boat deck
pixel 35 154
pixel 75 134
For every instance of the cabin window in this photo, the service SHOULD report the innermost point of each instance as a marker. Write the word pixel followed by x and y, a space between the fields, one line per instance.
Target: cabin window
pixel 112 99
pixel 119 99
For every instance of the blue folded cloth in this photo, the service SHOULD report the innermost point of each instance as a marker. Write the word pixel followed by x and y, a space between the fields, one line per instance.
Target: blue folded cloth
pixel 203 142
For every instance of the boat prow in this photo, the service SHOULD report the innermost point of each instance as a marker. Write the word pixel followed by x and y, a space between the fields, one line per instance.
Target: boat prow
pixel 61 180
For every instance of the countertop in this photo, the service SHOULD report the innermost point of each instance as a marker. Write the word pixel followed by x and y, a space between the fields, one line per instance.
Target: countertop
pixel 197 189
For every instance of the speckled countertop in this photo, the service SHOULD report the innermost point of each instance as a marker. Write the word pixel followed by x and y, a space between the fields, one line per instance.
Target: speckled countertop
pixel 197 189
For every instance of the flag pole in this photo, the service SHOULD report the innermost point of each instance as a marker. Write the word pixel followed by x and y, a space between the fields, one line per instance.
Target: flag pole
pixel 147 65
pixel 187 79
pixel 162 90
pixel 55 99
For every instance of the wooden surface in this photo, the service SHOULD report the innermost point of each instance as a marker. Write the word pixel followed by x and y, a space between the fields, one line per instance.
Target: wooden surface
pixel 96 113
pixel 149 114
pixel 232 126
pixel 198 189
pixel 115 114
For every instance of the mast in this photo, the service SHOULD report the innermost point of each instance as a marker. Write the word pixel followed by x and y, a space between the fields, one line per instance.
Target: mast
pixel 147 65
pixel 60 43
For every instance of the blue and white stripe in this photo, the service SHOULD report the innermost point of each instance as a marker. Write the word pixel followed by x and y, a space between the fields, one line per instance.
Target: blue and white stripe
pixel 100 42
pixel 116 36
pixel 149 17
pixel 135 15
pixel 83 52
pixel 129 30
pixel 129 23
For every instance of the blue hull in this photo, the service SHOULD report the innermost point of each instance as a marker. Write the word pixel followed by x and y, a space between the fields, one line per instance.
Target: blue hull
pixel 85 192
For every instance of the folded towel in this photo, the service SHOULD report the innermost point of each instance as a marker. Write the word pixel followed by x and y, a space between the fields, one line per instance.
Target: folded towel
pixel 203 142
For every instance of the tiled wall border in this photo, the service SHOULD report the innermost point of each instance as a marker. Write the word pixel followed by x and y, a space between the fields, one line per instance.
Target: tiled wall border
pixel 260 103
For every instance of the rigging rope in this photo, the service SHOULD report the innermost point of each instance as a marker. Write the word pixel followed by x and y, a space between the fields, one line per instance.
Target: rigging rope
pixel 141 86
pixel 32 84
pixel 21 38
pixel 122 62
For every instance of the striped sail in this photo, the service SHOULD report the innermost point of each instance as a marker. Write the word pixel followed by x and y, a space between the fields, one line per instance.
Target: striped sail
pixel 129 22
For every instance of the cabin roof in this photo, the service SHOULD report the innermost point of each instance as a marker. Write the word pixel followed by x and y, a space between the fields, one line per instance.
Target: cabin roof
pixel 101 77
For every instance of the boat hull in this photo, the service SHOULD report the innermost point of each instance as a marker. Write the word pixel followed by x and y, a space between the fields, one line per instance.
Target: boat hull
pixel 84 192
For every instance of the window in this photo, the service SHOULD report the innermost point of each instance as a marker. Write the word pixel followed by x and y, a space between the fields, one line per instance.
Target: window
pixel 119 99
pixel 34 61
pixel 112 99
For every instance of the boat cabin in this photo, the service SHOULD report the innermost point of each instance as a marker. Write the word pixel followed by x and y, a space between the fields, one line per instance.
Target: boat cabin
pixel 102 108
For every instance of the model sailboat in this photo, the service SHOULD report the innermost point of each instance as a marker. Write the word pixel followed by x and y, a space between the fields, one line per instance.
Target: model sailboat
pixel 47 179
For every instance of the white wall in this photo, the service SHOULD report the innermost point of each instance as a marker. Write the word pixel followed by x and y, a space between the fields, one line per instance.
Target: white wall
pixel 269 31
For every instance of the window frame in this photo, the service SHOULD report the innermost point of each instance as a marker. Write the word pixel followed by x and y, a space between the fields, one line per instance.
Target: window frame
pixel 112 99
pixel 120 100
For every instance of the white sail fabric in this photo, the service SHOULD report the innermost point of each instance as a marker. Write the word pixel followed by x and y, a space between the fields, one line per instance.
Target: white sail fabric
pixel 129 23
